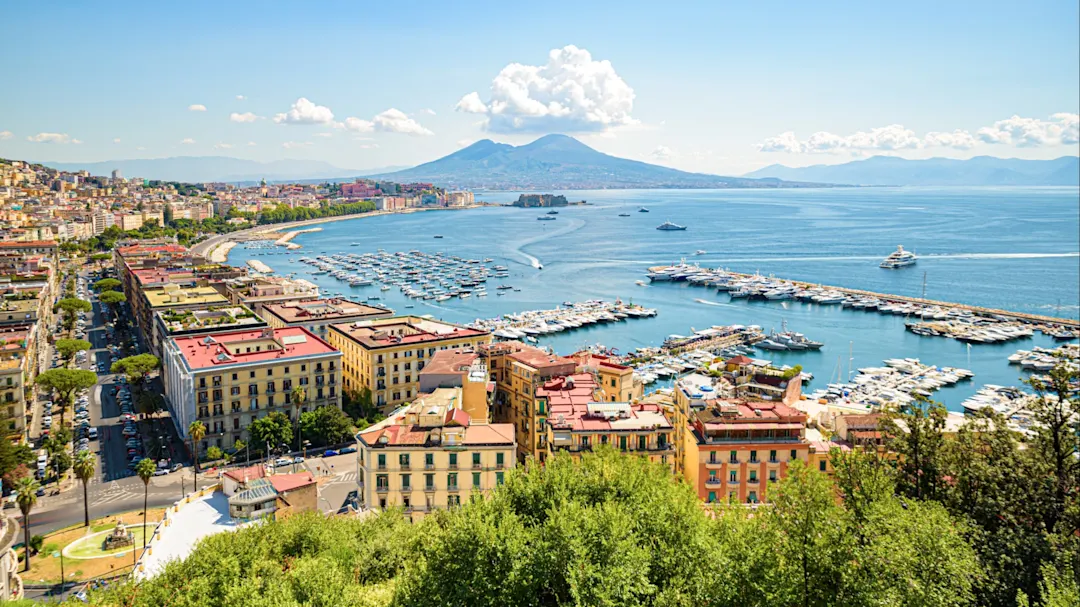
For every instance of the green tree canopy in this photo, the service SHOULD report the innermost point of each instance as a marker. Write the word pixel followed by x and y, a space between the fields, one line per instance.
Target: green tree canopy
pixel 273 429
pixel 112 298
pixel 325 426
pixel 71 306
pixel 66 382
pixel 68 348
pixel 136 367
pixel 108 284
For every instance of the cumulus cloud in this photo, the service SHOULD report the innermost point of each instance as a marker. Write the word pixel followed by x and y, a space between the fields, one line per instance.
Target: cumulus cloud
pixel 291 145
pixel 662 152
pixel 572 92
pixel 1062 128
pixel 240 98
pixel 252 144
pixel 51 138
pixel 117 140
pixel 305 112
pixel 464 143
pixel 245 117
pixel 356 125
pixel 428 111
pixel 394 120
pixel 222 146
pixel 6 135
pixel 196 107
pixel 187 141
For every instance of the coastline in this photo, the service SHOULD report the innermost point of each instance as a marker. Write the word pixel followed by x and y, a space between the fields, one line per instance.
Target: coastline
pixel 217 247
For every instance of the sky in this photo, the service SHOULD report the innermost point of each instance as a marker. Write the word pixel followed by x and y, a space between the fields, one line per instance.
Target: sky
pixel 718 87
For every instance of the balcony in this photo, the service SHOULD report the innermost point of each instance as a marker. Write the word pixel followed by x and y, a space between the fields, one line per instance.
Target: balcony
pixel 429 466
pixel 382 488
pixel 429 488
pixel 713 481
pixel 451 487
pixel 381 467
pixel 477 466
pixel 452 467
pixel 404 466
pixel 713 464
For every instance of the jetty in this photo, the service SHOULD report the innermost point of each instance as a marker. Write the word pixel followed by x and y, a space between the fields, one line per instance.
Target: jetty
pixel 259 266
pixel 827 294
pixel 285 241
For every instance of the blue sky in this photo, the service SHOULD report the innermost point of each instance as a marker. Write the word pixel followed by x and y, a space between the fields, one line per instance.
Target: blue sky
pixel 717 87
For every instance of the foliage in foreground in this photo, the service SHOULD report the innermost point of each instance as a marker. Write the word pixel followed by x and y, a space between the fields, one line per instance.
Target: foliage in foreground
pixel 611 529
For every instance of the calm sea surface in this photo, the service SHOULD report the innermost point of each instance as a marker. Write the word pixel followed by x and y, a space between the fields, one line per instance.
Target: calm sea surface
pixel 1010 248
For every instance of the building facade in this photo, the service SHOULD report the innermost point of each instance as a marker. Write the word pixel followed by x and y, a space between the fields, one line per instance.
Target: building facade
pixel 227 380
pixel 317 314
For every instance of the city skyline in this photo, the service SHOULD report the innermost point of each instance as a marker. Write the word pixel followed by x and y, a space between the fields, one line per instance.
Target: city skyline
pixel 716 89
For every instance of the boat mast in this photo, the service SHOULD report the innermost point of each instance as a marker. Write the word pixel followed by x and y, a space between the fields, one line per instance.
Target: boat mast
pixel 851 357
pixel 924 284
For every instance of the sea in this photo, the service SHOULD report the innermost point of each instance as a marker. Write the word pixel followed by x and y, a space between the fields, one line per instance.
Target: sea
pixel 1009 248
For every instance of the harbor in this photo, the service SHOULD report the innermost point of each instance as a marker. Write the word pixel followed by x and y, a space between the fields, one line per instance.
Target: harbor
pixel 259 266
pixel 527 326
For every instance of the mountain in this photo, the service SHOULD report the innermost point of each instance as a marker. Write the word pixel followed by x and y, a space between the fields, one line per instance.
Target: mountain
pixel 194 169
pixel 978 171
pixel 559 162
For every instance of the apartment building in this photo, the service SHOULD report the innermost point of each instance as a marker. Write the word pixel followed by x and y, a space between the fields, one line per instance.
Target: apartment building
pixel 576 426
pixel 256 292
pixel 692 393
pixel 317 314
pixel 430 455
pixel 735 448
pixel 462 369
pixel 617 382
pixel 172 298
pixel 227 380
pixel 386 355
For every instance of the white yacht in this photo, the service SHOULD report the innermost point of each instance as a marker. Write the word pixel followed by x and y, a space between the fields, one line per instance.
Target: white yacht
pixel 899 259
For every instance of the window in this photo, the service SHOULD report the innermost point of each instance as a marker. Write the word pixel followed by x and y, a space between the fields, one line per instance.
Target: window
pixel 270 372
pixel 772 476
pixel 642 443
pixel 752 498
pixel 453 461
pixel 712 476
pixel 733 458
pixel 794 455
pixel 753 476
pixel 476 460
pixel 500 477
pixel 753 457
pixel 476 480
pixel 429 460
pixel 712 496
pixel 252 375
pixel 712 457
pixel 733 477
pixel 821 465
pixel 498 460
pixel 403 460
pixel 622 443
pixel 382 482
pixel 429 482
pixel 772 456
pixel 453 501
pixel 451 481
pixel 382 461
pixel 406 481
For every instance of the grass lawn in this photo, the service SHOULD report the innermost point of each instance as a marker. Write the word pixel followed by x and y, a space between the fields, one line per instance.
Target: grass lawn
pixel 43 566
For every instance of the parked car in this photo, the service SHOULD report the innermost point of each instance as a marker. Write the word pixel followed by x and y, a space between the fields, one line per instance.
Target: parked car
pixel 161 472
pixel 283 461
pixel 176 467
pixel 330 453
pixel 92 434
pixel 347 450
pixel 298 460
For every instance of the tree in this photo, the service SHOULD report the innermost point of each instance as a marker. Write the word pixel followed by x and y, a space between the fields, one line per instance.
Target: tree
pixel 136 367
pixel 213 454
pixel 107 284
pixel 273 430
pixel 68 348
pixel 61 463
pixel 113 299
pixel 145 469
pixel 196 430
pixel 26 497
pixel 12 457
pixel 326 426
pixel 84 470
pixel 917 436
pixel 150 403
pixel 66 382
pixel 299 398
pixel 1055 412
pixel 71 306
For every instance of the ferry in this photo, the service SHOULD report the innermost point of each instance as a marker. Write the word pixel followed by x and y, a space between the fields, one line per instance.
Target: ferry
pixel 624 214
pixel 667 226
pixel 899 259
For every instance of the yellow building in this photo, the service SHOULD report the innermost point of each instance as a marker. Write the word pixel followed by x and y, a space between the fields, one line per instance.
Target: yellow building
pixel 386 355
pixel 430 455
pixel 576 425
pixel 175 298
pixel 227 380
pixel 617 382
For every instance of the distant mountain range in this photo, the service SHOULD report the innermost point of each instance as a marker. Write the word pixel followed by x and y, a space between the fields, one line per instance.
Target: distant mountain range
pixel 978 171
pixel 559 162
pixel 196 169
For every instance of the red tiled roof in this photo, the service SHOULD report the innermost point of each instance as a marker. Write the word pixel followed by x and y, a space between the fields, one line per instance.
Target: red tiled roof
pixel 449 361
pixel 740 360
pixel 19 244
pixel 288 482
pixel 252 472
pixel 201 352
pixel 576 389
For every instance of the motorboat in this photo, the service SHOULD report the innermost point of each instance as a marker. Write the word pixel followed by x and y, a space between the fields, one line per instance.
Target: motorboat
pixel 899 259
pixel 667 226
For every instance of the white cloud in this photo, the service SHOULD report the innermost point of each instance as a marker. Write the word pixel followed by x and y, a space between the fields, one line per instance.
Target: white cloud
pixel 76 141
pixel 356 125
pixel 245 117
pixel 6 135
pixel 394 120
pixel 196 107
pixel 252 144
pixel 324 134
pixel 240 98
pixel 571 93
pixel 117 140
pixel 1062 129
pixel 471 104
pixel 662 152
pixel 187 141
pixel 368 146
pixel 52 138
pixel 305 112
pixel 464 143
pixel 290 145
pixel 784 142
pixel 958 140
pixel 223 146
pixel 140 148
pixel 428 111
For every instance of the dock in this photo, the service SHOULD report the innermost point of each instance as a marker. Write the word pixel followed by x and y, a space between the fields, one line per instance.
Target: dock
pixel 979 310
pixel 259 266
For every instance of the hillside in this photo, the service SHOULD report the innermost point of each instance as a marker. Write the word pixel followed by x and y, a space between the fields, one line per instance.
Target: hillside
pixel 559 162
pixel 194 169
pixel 978 171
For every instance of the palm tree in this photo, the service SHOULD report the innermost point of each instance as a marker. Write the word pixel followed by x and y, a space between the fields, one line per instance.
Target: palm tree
pixel 84 471
pixel 197 430
pixel 26 496
pixel 145 470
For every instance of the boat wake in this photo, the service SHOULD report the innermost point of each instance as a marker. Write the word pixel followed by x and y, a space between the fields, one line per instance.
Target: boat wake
pixel 714 303
pixel 573 226
pixel 1001 255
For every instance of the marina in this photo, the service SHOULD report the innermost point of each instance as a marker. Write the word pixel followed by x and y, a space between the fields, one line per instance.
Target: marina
pixel 900 381
pixel 529 325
